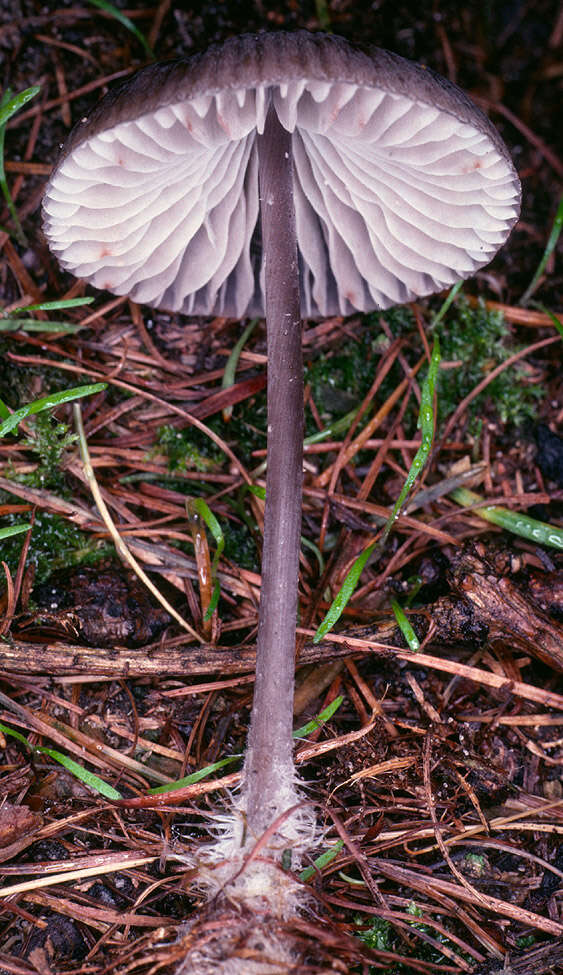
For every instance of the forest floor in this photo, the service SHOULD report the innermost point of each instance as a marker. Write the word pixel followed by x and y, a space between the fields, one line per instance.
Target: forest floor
pixel 437 771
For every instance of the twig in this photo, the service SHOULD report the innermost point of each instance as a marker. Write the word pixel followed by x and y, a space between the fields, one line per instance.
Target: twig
pixel 120 545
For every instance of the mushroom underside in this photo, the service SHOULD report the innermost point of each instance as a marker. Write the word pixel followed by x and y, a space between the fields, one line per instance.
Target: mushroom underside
pixel 394 199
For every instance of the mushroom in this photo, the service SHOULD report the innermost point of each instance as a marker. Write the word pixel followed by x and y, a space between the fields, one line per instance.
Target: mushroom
pixel 376 182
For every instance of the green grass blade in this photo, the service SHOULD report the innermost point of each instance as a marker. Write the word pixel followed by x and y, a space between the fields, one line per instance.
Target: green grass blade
pixel 539 532
pixel 343 597
pixel 33 325
pixel 211 769
pixel 14 734
pixel 322 861
pixel 405 627
pixel 14 530
pixel 12 104
pixel 258 491
pixel 213 602
pixel 88 778
pixel 426 424
pixel 554 318
pixel 447 302
pixel 53 305
pixel 202 773
pixel 13 322
pixel 323 14
pixel 333 429
pixel 47 403
pixel 9 105
pixel 126 22
pixel 307 543
pixel 232 363
pixel 549 248
pixel 205 513
pixel 317 722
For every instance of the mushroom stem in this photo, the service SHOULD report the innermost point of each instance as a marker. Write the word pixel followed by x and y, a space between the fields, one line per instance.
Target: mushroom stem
pixel 269 769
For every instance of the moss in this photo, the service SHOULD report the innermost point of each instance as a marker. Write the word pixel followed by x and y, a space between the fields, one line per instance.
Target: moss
pixel 55 544
pixel 339 381
pixel 187 449
pixel 377 935
pixel 246 430
pixel 21 383
pixel 380 936
pixel 48 440
pixel 55 541
pixel 476 338
pixel 240 546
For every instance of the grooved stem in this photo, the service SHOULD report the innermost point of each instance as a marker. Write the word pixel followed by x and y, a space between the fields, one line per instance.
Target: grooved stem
pixel 269 769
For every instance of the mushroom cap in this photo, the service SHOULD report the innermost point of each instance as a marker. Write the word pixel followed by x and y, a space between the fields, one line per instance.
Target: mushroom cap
pixel 402 186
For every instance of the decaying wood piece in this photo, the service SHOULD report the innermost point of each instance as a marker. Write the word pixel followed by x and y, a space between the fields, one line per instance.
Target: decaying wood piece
pixel 58 659
pixel 485 607
pixel 16 821
pixel 546 960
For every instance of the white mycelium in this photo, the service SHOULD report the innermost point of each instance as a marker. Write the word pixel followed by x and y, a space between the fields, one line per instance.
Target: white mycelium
pixel 394 199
